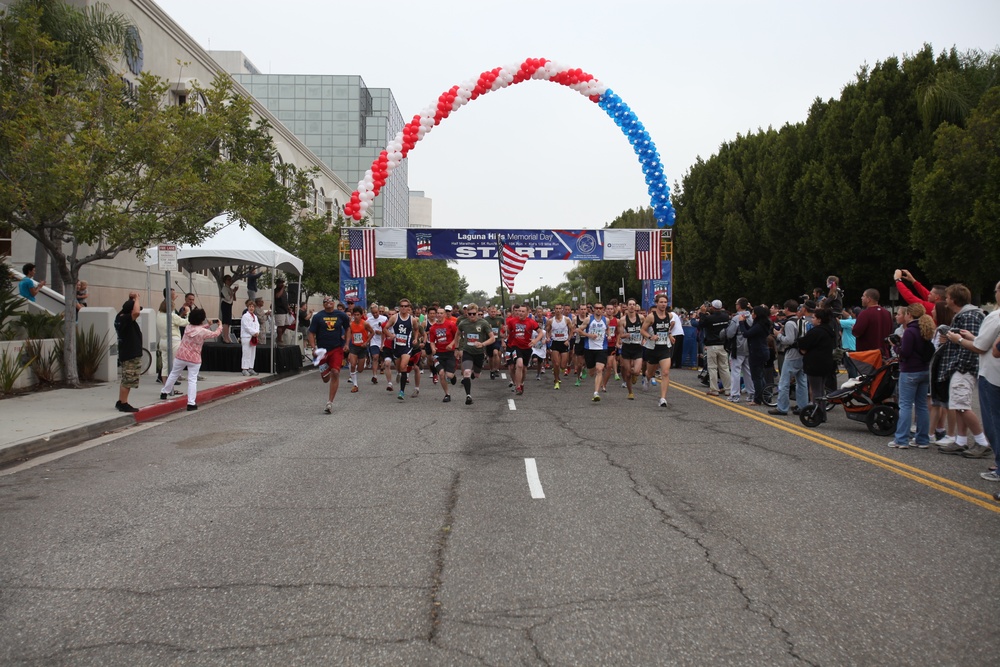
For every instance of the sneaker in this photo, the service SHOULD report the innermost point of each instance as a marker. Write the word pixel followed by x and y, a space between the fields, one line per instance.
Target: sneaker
pixel 556 385
pixel 510 384
pixel 895 445
pixel 252 372
pixel 538 376
pixel 434 379
pixel 604 389
pixel 653 382
pixel 468 400
pixel 631 396
pixel 734 399
pixel 374 380
pixel 388 387
pixel 951 449
pixel 577 383
pixel 118 404
pixel 416 392
pixel 453 380
pixel 663 402
pixel 354 389
pixel 712 392
pixel 245 372
pixel 776 411
pixel 977 451
pixel 520 390
pixel 617 377
pixel 192 407
pixel 596 398
pixel 990 476
pixel 400 395
pixel 916 444
pixel 447 398
pixel 329 408
pixel 946 440
pixel 125 407
pixel 163 397
pixel 624 385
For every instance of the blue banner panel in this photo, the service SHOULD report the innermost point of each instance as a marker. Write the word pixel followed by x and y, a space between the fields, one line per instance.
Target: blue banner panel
pixel 353 291
pixel 576 245
pixel 653 288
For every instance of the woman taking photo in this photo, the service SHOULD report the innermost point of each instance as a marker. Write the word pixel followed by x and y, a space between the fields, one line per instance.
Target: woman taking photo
pixel 189 356
pixel 756 336
pixel 914 351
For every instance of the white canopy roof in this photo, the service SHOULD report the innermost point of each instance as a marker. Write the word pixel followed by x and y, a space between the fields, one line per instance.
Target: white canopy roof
pixel 231 245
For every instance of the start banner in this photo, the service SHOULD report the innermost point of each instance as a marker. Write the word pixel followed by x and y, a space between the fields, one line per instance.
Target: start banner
pixel 559 244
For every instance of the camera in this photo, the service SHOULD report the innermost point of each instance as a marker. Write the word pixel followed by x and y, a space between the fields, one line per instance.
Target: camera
pixel 893 339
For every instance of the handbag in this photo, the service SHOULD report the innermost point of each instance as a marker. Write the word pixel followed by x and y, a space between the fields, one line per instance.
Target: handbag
pixel 253 340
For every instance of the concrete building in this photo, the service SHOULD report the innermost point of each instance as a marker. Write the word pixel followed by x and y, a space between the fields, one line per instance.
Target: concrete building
pixel 420 209
pixel 164 44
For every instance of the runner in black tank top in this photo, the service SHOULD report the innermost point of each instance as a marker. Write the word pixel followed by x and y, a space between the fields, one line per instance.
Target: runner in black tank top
pixel 658 344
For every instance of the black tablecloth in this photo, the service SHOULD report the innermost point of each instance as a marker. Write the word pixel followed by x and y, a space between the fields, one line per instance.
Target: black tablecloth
pixel 227 357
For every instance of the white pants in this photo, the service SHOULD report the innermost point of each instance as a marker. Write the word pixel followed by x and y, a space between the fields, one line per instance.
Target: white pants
pixel 175 372
pixel 249 354
pixel 740 369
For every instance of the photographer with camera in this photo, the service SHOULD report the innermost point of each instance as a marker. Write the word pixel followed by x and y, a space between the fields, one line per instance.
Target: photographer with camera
pixel 790 327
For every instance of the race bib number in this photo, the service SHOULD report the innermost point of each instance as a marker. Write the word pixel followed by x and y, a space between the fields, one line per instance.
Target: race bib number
pixel 560 335
pixel 473 337
pixel 635 338
pixel 359 338
pixel 663 338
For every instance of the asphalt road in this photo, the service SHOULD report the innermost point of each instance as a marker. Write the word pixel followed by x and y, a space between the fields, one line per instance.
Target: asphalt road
pixel 260 531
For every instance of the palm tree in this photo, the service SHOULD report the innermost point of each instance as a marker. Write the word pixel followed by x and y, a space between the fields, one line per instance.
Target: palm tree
pixel 95 39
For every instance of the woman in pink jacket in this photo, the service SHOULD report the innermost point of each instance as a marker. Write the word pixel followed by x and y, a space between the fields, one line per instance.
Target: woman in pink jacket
pixel 189 355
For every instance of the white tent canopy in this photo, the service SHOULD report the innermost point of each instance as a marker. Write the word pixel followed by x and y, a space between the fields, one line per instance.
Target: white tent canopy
pixel 230 245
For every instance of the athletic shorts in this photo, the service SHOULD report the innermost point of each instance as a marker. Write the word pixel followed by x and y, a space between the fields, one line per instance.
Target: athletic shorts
pixel 631 351
pixel 960 391
pixel 495 346
pixel 658 354
pixel 357 350
pixel 515 353
pixel 131 370
pixel 374 350
pixel 472 361
pixel 612 350
pixel 559 346
pixel 579 348
pixel 398 352
pixel 594 357
pixel 334 359
pixel 447 361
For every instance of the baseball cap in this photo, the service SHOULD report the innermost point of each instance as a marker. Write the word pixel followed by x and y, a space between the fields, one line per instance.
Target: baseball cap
pixel 717 304
pixel 447 307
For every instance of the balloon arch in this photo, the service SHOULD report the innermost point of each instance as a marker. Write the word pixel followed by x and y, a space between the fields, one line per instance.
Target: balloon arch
pixel 500 77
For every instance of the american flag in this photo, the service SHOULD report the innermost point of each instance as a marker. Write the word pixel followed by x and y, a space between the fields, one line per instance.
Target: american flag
pixel 362 243
pixel 511 263
pixel 647 256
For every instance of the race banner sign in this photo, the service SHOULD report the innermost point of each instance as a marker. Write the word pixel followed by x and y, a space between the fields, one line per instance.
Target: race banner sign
pixel 560 244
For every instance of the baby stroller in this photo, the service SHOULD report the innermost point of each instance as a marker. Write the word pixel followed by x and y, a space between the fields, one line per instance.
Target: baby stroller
pixel 864 397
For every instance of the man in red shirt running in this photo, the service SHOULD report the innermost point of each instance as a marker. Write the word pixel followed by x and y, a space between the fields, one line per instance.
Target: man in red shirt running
pixel 441 336
pixel 521 337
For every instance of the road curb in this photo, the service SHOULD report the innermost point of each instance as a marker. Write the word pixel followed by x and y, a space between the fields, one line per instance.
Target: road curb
pixel 18 452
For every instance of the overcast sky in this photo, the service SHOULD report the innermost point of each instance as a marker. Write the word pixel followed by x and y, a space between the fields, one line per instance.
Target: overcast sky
pixel 538 155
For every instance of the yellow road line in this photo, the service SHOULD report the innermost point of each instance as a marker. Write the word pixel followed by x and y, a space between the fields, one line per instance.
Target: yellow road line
pixel 943 484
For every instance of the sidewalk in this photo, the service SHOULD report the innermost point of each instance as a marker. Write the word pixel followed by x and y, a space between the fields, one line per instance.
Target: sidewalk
pixel 46 421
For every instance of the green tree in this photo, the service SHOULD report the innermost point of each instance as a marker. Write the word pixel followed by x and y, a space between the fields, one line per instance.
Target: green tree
pixel 91 172
pixel 956 199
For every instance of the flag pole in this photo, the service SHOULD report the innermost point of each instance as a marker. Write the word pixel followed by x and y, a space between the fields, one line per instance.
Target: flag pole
pixel 503 300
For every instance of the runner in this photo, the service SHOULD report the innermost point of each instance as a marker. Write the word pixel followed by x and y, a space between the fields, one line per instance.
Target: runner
pixel 630 340
pixel 328 330
pixel 520 340
pixel 612 364
pixel 596 344
pixel 558 330
pixel 441 337
pixel 357 346
pixel 405 332
pixel 475 336
pixel 659 345
pixel 495 320
pixel 376 320
pixel 581 317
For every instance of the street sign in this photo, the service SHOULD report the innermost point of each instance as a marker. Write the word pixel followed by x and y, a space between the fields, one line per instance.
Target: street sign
pixel 167 257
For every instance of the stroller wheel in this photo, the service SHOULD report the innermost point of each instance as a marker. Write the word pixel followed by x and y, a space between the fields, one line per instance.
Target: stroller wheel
pixel 770 394
pixel 881 420
pixel 812 415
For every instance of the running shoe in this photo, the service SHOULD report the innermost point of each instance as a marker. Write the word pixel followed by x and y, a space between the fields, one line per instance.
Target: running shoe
pixel 624 385
pixel 617 377
pixel 354 389
pixel 511 384
pixel 329 408
pixel 388 387
pixel 468 400
pixel 556 385
pixel 895 445
pixel 447 398
pixel 520 390
pixel 453 380
pixel 631 396
pixel 374 380
pixel 400 395
pixel 990 476
pixel 577 383
pixel 434 379
pixel 604 389
pixel 416 392
pixel 583 374
pixel 653 381
pixel 596 398
pixel 663 402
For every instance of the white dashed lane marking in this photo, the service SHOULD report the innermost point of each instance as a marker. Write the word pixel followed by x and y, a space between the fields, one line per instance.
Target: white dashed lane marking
pixel 534 484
